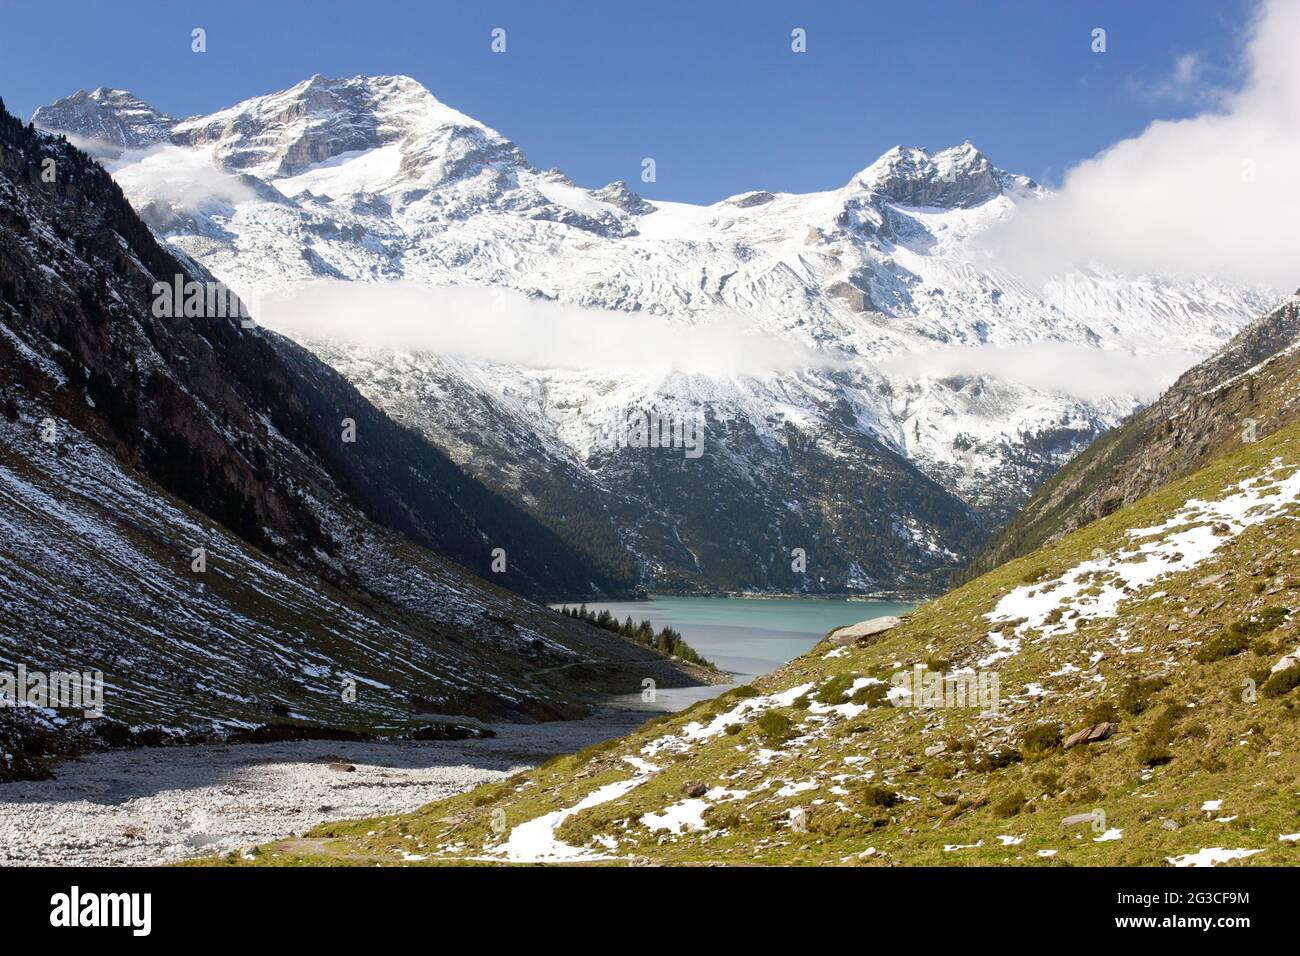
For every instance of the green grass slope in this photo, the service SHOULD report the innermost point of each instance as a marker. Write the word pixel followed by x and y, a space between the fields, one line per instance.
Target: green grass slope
pixel 1168 621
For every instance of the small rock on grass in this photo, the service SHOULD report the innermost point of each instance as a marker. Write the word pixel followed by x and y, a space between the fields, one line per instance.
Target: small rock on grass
pixel 1091 735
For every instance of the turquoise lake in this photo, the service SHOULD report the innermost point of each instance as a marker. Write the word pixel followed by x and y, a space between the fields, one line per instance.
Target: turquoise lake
pixel 744 636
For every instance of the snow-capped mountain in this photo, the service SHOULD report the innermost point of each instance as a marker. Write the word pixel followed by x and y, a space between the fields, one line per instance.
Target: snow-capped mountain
pixel 886 456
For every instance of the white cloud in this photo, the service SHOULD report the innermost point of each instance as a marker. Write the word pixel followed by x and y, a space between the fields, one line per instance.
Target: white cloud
pixel 177 177
pixel 1187 69
pixel 1190 81
pixel 1214 195
pixel 501 325
pixel 1063 368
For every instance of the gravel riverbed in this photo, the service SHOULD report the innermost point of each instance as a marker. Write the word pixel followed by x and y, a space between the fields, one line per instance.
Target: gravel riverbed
pixel 160 805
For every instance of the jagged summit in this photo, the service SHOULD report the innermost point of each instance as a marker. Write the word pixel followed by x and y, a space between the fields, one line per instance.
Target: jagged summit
pixel 107 120
pixel 321 119
pixel 957 177
pixel 285 133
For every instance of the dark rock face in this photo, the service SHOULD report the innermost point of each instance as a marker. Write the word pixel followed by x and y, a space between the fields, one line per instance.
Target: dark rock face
pixel 960 178
pixel 749 200
pixel 856 299
pixel 618 194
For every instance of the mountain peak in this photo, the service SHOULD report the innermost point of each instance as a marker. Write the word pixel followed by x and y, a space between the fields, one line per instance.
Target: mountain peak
pixel 107 121
pixel 285 133
pixel 956 177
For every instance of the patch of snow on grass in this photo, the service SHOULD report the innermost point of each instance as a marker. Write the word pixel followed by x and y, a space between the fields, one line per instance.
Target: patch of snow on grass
pixel 686 815
pixel 535 841
pixel 746 708
pixel 1210 857
pixel 641 766
pixel 1095 588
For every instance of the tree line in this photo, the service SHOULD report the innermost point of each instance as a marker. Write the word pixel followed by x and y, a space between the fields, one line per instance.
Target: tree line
pixel 665 641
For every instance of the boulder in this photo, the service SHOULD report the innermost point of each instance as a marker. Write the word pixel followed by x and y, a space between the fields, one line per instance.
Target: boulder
pixel 1090 735
pixel 1102 731
pixel 851 296
pixel 1077 738
pixel 1290 660
pixel 854 633
pixel 695 789
pixel 935 749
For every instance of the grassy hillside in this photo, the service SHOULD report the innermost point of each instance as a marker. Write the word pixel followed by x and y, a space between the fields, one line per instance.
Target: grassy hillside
pixel 1158 626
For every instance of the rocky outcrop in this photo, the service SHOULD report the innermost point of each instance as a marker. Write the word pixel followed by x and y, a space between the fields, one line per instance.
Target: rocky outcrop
pixel 957 178
pixel 863 631
pixel 1091 735
pixel 618 194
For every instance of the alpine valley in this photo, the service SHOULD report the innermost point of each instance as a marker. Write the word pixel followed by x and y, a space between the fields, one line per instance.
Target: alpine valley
pixel 179 513
pixel 826 435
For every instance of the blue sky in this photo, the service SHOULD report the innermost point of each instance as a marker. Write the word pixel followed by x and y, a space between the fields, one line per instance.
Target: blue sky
pixel 708 88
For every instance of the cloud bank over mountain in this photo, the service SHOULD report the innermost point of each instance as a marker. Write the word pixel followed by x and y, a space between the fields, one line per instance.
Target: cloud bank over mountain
pixel 1142 370
pixel 505 326
pixel 1213 195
